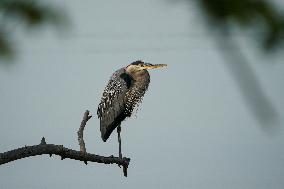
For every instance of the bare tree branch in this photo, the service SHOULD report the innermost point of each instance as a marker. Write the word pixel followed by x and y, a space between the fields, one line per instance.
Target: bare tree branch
pixel 63 152
pixel 59 150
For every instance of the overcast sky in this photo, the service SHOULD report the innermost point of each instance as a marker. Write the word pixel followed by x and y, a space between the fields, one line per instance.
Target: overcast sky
pixel 194 128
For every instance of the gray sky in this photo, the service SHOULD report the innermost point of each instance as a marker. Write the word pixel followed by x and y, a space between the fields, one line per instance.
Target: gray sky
pixel 193 130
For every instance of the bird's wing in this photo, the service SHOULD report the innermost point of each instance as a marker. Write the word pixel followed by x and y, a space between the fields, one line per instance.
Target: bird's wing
pixel 111 110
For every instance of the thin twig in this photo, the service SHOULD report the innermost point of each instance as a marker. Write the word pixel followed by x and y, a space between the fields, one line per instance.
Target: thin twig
pixel 86 117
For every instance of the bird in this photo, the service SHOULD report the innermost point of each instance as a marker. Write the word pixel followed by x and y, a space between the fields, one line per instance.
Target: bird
pixel 123 93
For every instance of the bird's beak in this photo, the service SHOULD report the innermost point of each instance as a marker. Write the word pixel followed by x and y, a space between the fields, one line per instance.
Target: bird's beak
pixel 149 66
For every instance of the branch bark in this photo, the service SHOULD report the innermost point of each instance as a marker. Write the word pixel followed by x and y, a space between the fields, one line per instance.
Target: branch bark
pixel 63 152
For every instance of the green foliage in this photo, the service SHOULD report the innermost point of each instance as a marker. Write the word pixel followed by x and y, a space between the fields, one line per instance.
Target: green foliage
pixel 28 13
pixel 248 13
pixel 5 46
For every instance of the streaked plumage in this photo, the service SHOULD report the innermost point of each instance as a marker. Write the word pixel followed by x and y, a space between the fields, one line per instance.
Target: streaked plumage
pixel 122 94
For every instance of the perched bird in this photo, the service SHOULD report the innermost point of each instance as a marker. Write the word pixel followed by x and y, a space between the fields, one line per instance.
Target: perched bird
pixel 122 94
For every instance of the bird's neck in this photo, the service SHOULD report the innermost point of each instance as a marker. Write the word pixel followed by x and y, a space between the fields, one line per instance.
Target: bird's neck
pixel 139 76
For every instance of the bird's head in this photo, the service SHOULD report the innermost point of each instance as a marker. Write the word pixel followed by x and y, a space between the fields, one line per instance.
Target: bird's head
pixel 141 66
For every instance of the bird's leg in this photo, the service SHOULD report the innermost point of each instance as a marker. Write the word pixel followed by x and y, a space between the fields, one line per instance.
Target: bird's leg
pixel 119 140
